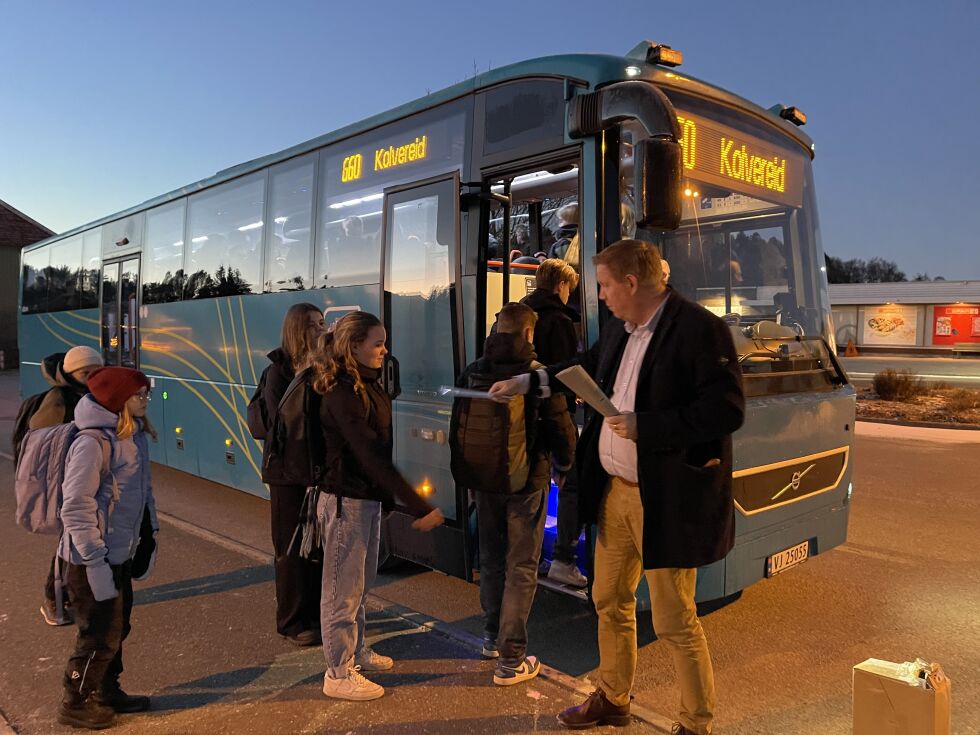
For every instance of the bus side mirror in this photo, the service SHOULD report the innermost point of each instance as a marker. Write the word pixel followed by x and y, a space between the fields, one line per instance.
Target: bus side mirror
pixel 657 183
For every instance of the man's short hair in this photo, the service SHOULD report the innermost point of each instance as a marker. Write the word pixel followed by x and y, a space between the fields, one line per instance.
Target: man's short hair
pixel 515 317
pixel 568 214
pixel 632 257
pixel 553 271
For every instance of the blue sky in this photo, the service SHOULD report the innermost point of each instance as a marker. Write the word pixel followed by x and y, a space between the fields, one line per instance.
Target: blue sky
pixel 106 104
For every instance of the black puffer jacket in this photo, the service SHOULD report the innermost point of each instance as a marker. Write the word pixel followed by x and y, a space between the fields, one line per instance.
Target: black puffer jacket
pixel 548 426
pixel 358 445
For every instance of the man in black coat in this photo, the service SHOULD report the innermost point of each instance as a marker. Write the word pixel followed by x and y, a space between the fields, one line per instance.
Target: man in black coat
pixel 656 478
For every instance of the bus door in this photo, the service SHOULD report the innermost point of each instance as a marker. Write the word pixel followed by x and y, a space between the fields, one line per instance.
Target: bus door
pixel 120 312
pixel 531 213
pixel 421 265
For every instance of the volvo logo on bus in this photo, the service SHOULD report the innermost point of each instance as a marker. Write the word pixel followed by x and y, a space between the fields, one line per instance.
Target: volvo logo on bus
pixel 794 483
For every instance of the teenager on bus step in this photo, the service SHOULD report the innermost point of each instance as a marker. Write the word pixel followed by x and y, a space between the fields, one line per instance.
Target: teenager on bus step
pixel 297 578
pixel 360 482
pixel 102 515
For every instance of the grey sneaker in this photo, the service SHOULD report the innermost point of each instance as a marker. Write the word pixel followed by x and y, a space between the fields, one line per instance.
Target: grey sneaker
pixel 490 649
pixel 353 687
pixel 506 676
pixel 49 611
pixel 566 573
pixel 367 659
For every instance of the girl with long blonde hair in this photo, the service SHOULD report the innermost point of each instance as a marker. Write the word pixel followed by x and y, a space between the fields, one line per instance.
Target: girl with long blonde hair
pixel 360 482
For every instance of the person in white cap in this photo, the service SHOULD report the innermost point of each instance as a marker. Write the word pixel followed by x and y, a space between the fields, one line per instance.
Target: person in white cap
pixel 68 379
pixel 68 375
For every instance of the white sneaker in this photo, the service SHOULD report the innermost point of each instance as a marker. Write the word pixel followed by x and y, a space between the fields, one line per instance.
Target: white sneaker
pixel 567 574
pixel 353 687
pixel 505 676
pixel 367 659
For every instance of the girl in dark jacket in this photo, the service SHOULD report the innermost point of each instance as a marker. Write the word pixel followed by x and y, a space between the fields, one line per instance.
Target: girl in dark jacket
pixel 360 482
pixel 297 579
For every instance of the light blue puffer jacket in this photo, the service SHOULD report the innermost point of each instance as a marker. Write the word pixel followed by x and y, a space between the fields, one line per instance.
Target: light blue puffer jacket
pixel 102 518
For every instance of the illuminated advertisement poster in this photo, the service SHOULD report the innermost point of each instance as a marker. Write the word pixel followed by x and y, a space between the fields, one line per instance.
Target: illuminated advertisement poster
pixel 890 324
pixel 952 324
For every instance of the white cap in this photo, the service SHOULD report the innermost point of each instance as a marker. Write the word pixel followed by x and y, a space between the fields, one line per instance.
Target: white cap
pixel 78 357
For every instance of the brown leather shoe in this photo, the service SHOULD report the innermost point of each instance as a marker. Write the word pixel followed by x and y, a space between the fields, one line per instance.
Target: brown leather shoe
pixel 596 710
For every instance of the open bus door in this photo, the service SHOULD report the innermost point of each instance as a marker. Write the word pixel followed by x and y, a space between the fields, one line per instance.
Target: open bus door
pixel 119 306
pixel 421 273
pixel 531 209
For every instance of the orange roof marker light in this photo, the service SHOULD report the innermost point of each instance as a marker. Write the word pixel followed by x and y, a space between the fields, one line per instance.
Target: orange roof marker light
pixel 656 53
pixel 794 114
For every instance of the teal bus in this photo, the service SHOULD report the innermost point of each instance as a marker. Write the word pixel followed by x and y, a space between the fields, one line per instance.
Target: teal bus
pixel 415 214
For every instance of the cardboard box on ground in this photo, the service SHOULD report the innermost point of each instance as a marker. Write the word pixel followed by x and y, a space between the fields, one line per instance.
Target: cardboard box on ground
pixel 910 698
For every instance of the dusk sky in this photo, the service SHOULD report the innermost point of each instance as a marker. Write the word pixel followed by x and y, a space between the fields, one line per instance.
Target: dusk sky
pixel 106 104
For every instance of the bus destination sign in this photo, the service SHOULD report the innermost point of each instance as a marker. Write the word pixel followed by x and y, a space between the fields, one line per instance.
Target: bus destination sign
pixel 385 158
pixel 720 155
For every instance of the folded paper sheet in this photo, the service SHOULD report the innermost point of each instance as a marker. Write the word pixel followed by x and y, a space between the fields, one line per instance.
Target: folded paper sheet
pixel 585 388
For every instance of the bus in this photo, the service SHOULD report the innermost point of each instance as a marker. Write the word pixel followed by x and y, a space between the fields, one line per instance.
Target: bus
pixel 413 215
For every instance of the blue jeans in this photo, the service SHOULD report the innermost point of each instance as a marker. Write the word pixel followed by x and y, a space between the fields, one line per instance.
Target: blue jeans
pixel 351 533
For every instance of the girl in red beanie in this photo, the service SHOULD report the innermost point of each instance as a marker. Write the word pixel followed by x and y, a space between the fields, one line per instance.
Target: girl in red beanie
pixel 108 499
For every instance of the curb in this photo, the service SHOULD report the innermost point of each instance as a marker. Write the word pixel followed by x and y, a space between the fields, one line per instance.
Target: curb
pixel 565 681
pixel 920 424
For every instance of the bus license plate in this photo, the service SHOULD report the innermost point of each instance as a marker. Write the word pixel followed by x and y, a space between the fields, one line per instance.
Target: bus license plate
pixel 787 558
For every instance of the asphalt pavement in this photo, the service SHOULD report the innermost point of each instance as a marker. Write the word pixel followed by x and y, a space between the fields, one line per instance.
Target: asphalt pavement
pixel 906 584
pixel 204 646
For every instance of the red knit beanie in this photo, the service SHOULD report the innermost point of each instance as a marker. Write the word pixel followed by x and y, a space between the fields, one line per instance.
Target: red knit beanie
pixel 113 386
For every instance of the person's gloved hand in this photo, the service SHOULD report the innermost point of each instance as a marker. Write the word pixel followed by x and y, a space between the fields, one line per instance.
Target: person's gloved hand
pixel 145 557
pixel 101 581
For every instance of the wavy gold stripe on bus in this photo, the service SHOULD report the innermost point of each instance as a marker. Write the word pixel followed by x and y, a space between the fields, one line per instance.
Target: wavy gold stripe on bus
pixel 224 349
pixel 238 357
pixel 245 434
pixel 87 319
pixel 248 346
pixel 54 333
pixel 202 399
pixel 86 335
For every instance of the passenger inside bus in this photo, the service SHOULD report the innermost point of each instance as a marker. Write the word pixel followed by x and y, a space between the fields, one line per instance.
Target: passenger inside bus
pixel 568 221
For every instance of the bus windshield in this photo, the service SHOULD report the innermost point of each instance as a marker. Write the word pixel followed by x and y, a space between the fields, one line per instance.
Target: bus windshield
pixel 747 246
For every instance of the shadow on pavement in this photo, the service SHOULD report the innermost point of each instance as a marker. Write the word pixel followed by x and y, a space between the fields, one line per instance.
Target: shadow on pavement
pixel 210 585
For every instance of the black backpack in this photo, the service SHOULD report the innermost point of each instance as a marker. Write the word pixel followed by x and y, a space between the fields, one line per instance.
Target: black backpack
pixel 293 452
pixel 257 415
pixel 488 441
pixel 30 406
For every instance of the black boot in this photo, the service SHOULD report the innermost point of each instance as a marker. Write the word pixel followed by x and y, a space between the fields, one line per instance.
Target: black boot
pixel 113 696
pixel 88 711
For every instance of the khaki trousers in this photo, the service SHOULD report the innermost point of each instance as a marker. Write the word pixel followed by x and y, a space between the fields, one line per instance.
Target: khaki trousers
pixel 618 566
